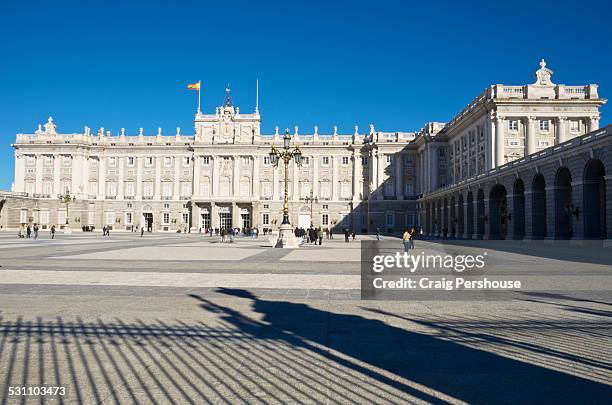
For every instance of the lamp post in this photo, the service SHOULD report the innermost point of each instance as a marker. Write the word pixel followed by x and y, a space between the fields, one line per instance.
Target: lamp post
pixel 67 199
pixel 285 231
pixel 311 199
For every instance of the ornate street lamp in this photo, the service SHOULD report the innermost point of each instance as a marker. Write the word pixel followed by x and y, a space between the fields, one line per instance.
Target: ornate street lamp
pixel 311 199
pixel 67 199
pixel 285 232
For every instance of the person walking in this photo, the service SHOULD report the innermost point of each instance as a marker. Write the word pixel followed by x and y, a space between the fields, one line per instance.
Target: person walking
pixel 35 231
pixel 406 238
pixel 320 236
pixel 52 231
pixel 28 231
pixel 141 231
pixel 346 235
pixel 377 233
pixel 412 236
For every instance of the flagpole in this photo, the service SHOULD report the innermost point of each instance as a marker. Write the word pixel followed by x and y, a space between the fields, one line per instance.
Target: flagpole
pixel 199 89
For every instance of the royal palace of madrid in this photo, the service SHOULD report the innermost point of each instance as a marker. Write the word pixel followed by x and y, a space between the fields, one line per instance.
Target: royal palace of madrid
pixel 221 176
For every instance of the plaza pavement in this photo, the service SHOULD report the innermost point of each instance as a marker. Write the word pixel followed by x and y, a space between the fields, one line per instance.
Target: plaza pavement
pixel 172 318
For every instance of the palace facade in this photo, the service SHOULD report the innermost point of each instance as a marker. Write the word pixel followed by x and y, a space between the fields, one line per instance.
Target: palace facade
pixel 221 176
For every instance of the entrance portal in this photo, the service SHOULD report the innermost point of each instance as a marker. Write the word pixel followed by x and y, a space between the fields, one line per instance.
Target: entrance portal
pixel 148 218
pixel 225 220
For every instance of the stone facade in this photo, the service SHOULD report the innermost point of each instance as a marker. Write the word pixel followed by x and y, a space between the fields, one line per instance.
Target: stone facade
pixel 221 176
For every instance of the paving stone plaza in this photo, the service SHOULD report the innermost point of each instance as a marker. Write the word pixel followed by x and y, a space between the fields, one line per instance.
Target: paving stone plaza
pixel 184 318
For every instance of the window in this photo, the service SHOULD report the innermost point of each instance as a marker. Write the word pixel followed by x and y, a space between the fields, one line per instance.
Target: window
pixel 128 218
pixel 147 189
pixel 265 218
pixel 166 218
pixel 30 160
pixel 513 125
pixel 167 161
pixel 111 189
pixel 110 217
pixel 345 190
pixel 544 125
pixel 65 187
pixel 93 188
pixel 266 206
pixel 186 161
pixel 389 188
pixel 408 158
pixel 129 189
pixel 245 187
pixel 185 189
pixel 61 217
pixel 389 159
pixel 345 160
pixel 408 189
pixel 266 161
pixel 325 190
pixel 166 206
pixel 325 207
pixel 129 205
pixel 90 218
pixel 305 160
pixel 149 161
pixel 364 161
pixel 185 217
pixel 575 126
pixel 442 152
pixel 205 160
pixel 23 216
pixel 245 160
pixel 166 189
pixel 325 219
pixel 48 160
pixel 205 187
pixel 66 161
pixel 44 217
pixel 47 188
pixel 266 189
pixel 112 161
pixel 390 219
pixel 325 161
pixel 513 142
pixel 544 144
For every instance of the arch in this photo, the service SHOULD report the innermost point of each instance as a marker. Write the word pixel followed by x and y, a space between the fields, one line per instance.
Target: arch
pixel 460 216
pixel 538 207
pixel 498 212
pixel 518 212
pixel 480 213
pixel 470 214
pixel 563 202
pixel 594 199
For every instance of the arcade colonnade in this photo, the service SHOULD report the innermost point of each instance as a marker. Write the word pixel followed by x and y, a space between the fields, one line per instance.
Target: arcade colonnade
pixel 563 192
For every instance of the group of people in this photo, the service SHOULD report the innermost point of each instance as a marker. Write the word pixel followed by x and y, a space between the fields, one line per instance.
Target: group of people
pixel 408 239
pixel 32 231
pixel 311 235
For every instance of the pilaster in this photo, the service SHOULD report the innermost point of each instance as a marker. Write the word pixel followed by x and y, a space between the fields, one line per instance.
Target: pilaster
pixel 157 191
pixel 39 174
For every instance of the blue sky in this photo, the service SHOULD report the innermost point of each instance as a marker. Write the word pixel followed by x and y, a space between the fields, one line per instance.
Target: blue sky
pixel 396 64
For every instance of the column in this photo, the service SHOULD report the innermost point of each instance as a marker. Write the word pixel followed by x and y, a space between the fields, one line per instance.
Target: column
pixel 197 168
pixel 561 129
pixel 380 173
pixel 76 174
pixel 215 179
pixel 490 142
pixel 296 191
pixel 39 174
pixel 56 175
pixel 399 192
pixel 510 211
pixel 593 124
pixel 19 173
pixel 236 219
pixel 315 176
pixel 434 155
pixel 500 144
pixel 578 201
pixel 236 176
pixel 177 176
pixel 551 233
pixel 102 177
pixel 608 180
pixel 120 177
pixel 372 174
pixel 530 140
pixel 335 165
pixel 275 185
pixel 255 180
pixel 85 176
pixel 465 221
pixel 356 177
pixel 529 214
pixel 157 192
pixel 214 215
pixel 489 220
pixel 139 171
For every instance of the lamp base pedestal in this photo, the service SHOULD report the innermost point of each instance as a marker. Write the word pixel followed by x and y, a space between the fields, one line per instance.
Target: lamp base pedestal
pixel 286 238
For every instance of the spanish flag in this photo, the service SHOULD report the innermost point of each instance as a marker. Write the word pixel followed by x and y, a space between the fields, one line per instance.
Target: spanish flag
pixel 193 86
